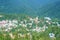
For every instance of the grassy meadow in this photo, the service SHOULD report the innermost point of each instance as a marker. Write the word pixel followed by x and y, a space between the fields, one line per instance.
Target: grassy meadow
pixel 24 27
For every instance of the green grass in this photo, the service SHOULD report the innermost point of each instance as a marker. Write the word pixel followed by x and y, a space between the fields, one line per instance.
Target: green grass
pixel 35 35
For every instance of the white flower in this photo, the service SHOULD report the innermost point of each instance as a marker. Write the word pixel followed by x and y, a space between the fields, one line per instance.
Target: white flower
pixel 21 35
pixel 31 19
pixel 22 22
pixel 6 30
pixel 11 35
pixel 33 29
pixel 10 24
pixel 30 23
pixel 28 33
pixel 27 29
pixel 7 21
pixel 48 18
pixel 48 22
pixel 38 29
pixel 36 18
pixel 52 35
pixel 14 21
pixel 10 21
pixel 45 27
pixel 9 28
pixel 58 24
pixel 24 25
pixel 3 21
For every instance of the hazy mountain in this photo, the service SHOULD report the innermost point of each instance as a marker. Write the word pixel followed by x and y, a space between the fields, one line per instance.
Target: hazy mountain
pixel 31 7
pixel 52 10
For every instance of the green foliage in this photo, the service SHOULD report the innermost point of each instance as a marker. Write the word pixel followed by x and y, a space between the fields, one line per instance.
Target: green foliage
pixel 35 35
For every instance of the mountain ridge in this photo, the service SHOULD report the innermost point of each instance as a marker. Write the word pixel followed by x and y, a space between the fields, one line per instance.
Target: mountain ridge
pixel 45 10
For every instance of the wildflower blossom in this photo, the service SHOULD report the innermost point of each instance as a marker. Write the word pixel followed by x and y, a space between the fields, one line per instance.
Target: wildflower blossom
pixel 48 18
pixel 52 35
pixel 11 35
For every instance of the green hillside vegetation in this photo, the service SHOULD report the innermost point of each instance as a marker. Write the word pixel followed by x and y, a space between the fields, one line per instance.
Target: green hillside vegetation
pixel 21 32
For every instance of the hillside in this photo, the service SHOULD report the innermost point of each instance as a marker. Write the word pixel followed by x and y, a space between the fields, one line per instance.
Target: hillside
pixel 32 8
pixel 52 10
pixel 23 27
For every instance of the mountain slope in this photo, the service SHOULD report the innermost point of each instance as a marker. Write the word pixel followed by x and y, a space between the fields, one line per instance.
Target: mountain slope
pixel 31 7
pixel 52 10
pixel 22 6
